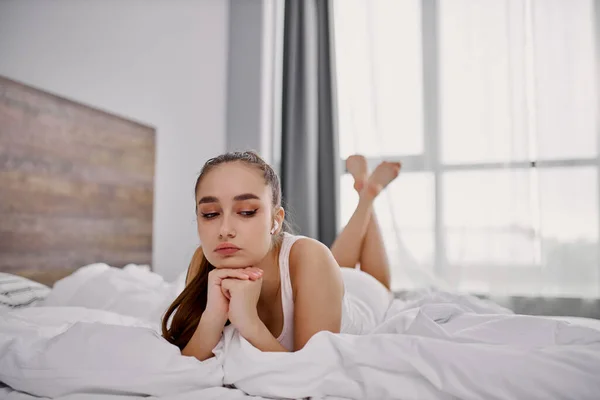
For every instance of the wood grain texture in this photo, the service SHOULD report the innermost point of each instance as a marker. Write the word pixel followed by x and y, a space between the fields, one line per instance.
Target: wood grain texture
pixel 76 185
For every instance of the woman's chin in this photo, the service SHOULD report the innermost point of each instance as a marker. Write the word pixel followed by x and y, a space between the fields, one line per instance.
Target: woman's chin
pixel 233 264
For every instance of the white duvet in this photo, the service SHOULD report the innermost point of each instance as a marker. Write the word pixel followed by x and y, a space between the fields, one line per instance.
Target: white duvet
pixel 97 337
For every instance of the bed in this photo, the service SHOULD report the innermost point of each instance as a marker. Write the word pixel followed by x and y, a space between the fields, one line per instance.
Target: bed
pixel 76 219
pixel 77 185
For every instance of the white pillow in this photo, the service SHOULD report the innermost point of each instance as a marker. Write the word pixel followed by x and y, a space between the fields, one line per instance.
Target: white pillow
pixel 19 292
pixel 132 290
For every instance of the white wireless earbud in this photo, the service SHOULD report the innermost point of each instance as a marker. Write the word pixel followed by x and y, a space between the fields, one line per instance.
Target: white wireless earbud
pixel 275 226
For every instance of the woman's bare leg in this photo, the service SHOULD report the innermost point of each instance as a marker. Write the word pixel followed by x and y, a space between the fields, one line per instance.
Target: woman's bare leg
pixel 360 241
pixel 347 246
pixel 373 257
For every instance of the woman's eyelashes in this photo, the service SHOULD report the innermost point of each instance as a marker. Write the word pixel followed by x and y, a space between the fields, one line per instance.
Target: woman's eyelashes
pixel 244 213
pixel 249 213
pixel 209 215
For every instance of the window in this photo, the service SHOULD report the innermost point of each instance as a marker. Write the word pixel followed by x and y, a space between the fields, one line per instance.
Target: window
pixel 492 109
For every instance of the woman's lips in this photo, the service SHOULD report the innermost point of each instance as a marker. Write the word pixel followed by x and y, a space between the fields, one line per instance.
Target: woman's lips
pixel 227 251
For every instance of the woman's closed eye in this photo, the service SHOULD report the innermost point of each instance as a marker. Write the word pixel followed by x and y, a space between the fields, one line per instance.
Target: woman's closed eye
pixel 247 213
pixel 209 215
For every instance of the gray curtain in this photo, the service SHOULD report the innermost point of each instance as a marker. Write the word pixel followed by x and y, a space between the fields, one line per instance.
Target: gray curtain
pixel 309 155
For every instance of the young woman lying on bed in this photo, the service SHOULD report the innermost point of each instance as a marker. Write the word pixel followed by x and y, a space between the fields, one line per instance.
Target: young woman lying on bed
pixel 275 288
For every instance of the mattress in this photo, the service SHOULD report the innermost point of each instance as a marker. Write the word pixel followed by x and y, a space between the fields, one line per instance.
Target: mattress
pixel 97 337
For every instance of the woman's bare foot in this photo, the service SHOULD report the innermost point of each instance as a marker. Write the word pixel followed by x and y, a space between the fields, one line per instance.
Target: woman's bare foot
pixel 383 174
pixel 357 167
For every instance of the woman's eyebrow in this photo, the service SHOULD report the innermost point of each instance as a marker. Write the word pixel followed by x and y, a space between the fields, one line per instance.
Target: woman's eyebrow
pixel 246 196
pixel 239 197
pixel 208 199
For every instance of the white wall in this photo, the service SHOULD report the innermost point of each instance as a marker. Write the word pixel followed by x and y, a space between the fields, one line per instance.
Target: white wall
pixel 161 62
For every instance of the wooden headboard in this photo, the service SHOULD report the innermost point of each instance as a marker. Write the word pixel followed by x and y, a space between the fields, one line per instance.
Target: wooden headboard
pixel 76 185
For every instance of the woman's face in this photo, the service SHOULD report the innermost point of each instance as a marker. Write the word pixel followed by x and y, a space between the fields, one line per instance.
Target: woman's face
pixel 234 215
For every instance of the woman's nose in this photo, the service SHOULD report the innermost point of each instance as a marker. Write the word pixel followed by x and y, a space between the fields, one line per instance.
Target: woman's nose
pixel 227 228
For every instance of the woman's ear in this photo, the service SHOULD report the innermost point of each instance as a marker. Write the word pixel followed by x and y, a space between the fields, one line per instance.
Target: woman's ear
pixel 278 219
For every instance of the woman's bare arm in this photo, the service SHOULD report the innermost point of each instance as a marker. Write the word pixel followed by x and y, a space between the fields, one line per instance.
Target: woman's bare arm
pixel 209 329
pixel 205 337
pixel 318 290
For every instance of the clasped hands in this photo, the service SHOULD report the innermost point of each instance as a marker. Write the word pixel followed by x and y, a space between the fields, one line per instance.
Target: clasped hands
pixel 233 294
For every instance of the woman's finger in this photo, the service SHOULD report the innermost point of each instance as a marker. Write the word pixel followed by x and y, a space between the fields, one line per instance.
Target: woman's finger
pixel 226 293
pixel 225 289
pixel 258 273
pixel 255 272
pixel 233 273
pixel 252 272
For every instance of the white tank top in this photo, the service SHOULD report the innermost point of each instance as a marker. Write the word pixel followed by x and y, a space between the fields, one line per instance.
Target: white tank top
pixel 286 338
pixel 364 304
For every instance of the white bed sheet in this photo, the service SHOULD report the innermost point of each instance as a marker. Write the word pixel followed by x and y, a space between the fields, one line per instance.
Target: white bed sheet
pixel 215 393
pixel 436 346
pixel 588 322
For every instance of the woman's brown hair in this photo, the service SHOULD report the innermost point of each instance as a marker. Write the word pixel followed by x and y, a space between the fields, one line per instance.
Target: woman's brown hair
pixel 191 303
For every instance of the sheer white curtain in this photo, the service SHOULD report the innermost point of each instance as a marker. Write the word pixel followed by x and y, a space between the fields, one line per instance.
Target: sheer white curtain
pixel 492 108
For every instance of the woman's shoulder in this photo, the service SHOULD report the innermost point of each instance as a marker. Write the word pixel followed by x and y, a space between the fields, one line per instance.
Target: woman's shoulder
pixel 303 247
pixel 309 256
